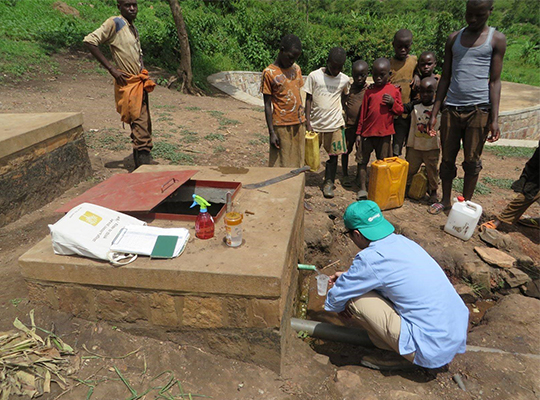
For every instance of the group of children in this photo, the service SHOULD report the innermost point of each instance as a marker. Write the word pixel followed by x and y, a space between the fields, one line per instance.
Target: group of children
pixel 401 107
pixel 382 117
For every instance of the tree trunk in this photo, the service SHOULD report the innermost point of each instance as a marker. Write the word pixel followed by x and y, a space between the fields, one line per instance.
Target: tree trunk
pixel 184 72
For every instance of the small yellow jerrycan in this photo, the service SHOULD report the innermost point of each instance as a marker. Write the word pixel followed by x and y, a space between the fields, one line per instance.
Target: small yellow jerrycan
pixel 387 181
pixel 418 188
pixel 312 157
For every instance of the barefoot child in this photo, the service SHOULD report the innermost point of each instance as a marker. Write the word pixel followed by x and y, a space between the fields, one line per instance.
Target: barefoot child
pixel 382 102
pixel 423 146
pixel 324 113
pixel 353 102
pixel 402 67
pixel 281 83
pixel 425 69
pixel 470 87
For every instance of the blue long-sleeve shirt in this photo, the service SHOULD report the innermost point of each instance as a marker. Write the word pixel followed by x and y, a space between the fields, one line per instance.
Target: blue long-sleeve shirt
pixel 434 319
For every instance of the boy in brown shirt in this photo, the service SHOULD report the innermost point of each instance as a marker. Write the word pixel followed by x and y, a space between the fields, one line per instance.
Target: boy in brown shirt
pixel 284 112
pixel 353 102
pixel 402 67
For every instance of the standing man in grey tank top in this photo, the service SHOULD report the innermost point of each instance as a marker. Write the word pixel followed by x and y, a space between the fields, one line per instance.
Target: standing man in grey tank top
pixel 470 87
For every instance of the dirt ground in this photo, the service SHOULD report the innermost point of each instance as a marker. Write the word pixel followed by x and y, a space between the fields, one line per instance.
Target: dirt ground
pixel 217 130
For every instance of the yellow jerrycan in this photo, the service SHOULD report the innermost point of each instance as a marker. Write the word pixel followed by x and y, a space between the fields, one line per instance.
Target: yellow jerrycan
pixel 312 155
pixel 419 183
pixel 387 181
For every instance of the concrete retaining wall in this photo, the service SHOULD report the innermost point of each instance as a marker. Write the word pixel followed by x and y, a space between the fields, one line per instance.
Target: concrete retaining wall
pixel 42 156
pixel 520 124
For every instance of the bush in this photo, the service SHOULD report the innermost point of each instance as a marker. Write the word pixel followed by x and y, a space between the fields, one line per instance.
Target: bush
pixel 245 34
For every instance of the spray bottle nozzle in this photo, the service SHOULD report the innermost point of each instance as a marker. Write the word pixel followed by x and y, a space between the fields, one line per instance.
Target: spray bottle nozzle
pixel 198 200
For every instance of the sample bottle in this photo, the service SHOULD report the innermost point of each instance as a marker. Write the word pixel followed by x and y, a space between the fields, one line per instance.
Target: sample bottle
pixel 204 224
pixel 233 229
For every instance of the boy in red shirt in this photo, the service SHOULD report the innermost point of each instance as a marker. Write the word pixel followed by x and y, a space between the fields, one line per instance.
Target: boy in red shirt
pixel 382 102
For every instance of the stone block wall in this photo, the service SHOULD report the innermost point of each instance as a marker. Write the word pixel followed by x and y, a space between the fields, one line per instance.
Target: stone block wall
pixel 171 310
pixel 520 124
pixel 33 177
pixel 247 82
pixel 247 329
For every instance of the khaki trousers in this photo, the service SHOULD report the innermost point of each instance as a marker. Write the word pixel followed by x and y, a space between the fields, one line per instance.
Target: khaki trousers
pixel 515 209
pixel 292 147
pixel 141 128
pixel 430 158
pixel 381 321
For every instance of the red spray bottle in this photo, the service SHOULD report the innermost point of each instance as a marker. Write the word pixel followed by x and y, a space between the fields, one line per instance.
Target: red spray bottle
pixel 204 224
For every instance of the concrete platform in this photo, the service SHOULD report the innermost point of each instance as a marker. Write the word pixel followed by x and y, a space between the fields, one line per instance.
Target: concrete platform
pixel 41 156
pixel 237 301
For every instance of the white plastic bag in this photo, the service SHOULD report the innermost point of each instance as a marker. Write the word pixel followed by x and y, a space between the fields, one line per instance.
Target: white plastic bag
pixel 89 230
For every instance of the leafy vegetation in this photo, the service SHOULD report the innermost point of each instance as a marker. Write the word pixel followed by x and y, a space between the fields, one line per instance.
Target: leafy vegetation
pixel 245 34
pixel 171 152
pixel 510 151
pixel 501 183
pixel 457 186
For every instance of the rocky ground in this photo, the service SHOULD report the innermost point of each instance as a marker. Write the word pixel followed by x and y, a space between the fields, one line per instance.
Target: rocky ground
pixel 216 130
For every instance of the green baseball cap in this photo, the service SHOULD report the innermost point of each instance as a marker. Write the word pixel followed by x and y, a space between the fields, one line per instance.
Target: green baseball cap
pixel 367 217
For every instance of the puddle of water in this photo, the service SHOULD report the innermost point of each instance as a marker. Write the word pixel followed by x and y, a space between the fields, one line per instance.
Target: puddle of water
pixel 478 309
pixel 231 170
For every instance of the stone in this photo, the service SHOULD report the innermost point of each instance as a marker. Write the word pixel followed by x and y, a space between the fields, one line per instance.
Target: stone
pixel 527 265
pixel 265 313
pixel 466 293
pixel 515 277
pixel 163 310
pixel 321 359
pixel 236 312
pixel 119 306
pixel 495 257
pixel 348 384
pixel 203 312
pixel 533 288
pixel 478 273
pixel 77 300
pixel 43 294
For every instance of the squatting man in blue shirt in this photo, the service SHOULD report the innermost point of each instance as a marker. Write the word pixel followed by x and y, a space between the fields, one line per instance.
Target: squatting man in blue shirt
pixel 398 294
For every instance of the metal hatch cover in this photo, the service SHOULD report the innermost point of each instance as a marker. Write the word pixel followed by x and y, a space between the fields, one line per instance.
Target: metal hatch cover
pixel 139 192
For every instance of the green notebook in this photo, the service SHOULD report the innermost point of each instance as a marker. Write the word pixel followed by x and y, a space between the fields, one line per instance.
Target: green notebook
pixel 164 247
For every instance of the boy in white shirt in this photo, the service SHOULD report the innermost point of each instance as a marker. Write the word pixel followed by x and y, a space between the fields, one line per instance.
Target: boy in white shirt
pixel 324 112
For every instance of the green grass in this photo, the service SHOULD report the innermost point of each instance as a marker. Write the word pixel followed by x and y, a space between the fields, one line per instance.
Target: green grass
pixel 215 113
pixel 501 183
pixel 515 66
pixel 193 108
pixel 260 139
pixel 164 106
pixel 219 149
pixel 510 151
pixel 215 136
pixel 171 152
pixel 110 139
pixel 223 121
pixel 245 35
pixel 457 185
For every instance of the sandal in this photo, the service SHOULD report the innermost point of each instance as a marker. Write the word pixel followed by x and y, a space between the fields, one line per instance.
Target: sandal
pixel 346 181
pixel 488 225
pixel 437 208
pixel 529 222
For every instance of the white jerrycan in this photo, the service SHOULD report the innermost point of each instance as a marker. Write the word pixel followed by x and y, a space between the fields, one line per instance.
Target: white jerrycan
pixel 463 218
